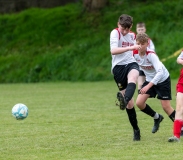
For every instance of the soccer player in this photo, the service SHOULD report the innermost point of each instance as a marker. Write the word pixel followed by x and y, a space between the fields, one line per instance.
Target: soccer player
pixel 124 67
pixel 157 82
pixel 141 28
pixel 178 123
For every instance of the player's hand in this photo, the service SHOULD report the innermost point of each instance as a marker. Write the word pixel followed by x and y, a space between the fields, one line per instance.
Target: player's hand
pixel 136 47
pixel 144 90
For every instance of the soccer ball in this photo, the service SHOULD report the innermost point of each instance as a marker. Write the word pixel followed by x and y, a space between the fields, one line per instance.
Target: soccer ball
pixel 20 111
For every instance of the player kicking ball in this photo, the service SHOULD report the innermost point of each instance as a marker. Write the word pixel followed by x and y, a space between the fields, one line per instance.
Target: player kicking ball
pixel 157 82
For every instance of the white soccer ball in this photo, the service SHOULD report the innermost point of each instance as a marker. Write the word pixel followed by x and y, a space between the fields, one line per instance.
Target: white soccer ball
pixel 20 111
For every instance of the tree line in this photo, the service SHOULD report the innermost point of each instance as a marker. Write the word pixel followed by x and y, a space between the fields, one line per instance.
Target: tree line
pixel 14 6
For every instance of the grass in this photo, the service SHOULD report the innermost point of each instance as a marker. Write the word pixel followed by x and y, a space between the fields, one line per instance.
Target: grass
pixel 79 121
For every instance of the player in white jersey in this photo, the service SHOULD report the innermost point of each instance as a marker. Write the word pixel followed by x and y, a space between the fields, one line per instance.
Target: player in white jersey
pixel 157 82
pixel 124 67
pixel 178 123
pixel 141 28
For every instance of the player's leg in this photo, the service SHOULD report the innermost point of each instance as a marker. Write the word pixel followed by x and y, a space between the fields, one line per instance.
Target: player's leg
pixel 168 109
pixel 178 123
pixel 141 103
pixel 132 77
pixel 163 91
pixel 130 109
pixel 129 84
pixel 141 79
pixel 179 110
pixel 120 76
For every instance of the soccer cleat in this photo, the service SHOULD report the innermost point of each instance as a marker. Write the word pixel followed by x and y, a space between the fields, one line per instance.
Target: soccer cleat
pixel 122 102
pixel 157 123
pixel 136 136
pixel 173 139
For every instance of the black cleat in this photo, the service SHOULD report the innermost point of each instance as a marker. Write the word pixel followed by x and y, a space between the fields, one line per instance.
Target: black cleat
pixel 136 136
pixel 157 123
pixel 122 102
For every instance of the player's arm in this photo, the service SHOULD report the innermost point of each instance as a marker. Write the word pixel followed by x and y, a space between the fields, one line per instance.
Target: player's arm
pixel 152 45
pixel 146 88
pixel 158 66
pixel 114 47
pixel 119 50
pixel 159 73
pixel 180 61
pixel 180 58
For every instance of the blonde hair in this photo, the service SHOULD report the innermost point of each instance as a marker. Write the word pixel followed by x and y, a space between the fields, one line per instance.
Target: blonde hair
pixel 140 25
pixel 142 38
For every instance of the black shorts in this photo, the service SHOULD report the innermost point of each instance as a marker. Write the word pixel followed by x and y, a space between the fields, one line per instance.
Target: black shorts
pixel 120 73
pixel 141 73
pixel 162 90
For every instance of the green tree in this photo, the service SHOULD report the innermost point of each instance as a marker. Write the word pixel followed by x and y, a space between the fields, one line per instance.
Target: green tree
pixel 93 5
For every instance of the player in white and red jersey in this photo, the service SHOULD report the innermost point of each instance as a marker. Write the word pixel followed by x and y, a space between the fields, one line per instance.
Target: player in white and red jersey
pixel 157 82
pixel 178 123
pixel 141 28
pixel 124 67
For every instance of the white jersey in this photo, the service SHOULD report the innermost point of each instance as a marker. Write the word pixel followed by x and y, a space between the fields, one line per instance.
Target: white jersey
pixel 118 40
pixel 181 55
pixel 152 67
pixel 151 45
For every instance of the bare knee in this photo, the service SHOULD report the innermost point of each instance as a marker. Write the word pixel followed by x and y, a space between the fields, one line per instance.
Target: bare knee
pixel 139 104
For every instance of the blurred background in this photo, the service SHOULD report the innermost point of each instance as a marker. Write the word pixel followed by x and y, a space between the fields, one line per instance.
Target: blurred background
pixel 68 40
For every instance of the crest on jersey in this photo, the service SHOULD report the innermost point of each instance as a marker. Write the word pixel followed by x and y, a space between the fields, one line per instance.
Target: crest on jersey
pixel 148 60
pixel 132 37
pixel 119 85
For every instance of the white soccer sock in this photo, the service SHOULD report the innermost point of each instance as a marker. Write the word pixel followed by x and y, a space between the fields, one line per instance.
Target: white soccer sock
pixel 156 116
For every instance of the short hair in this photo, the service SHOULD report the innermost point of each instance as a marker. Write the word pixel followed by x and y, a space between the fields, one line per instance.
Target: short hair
pixel 125 21
pixel 142 38
pixel 140 24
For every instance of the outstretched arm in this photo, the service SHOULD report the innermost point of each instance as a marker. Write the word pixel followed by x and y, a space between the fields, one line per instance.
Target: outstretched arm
pixel 119 50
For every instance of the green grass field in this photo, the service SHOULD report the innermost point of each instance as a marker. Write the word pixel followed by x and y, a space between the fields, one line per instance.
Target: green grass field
pixel 79 121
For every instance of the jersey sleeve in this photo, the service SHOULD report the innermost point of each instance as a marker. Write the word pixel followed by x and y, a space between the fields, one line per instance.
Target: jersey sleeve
pixel 158 66
pixel 114 39
pixel 151 45
pixel 181 55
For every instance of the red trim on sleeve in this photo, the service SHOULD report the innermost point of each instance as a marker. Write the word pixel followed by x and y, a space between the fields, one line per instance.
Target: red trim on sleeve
pixel 118 33
pixel 134 34
pixel 147 52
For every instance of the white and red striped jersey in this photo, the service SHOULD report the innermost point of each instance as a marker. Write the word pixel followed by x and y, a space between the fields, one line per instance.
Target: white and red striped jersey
pixel 151 44
pixel 152 67
pixel 180 55
pixel 118 40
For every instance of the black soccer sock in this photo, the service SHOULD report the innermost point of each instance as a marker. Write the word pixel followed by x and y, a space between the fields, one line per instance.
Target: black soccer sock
pixel 130 90
pixel 132 118
pixel 149 111
pixel 172 116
